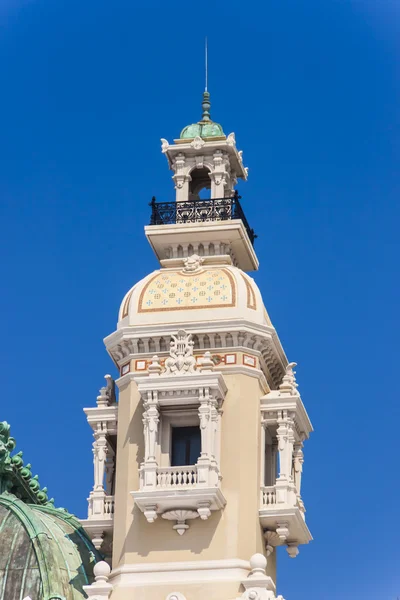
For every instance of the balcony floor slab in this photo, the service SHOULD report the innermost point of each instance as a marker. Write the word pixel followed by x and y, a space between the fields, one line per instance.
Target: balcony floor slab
pixel 272 516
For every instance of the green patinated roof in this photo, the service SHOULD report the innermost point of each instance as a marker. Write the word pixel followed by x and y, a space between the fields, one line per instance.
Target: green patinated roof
pixel 44 552
pixel 206 128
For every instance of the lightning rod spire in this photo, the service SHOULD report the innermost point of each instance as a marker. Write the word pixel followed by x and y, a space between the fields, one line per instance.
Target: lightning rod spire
pixel 206 64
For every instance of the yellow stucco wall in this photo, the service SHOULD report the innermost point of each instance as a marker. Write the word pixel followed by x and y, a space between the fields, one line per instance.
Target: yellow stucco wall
pixel 233 533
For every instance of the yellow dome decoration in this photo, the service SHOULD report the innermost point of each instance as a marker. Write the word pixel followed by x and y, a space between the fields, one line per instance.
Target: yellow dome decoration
pixel 180 296
pixel 209 288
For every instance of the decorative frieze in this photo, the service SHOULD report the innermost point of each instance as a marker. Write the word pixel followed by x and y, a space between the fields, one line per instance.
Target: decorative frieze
pixel 269 362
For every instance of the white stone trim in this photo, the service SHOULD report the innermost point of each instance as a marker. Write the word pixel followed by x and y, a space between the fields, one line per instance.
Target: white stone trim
pixel 103 414
pixel 271 404
pixel 121 345
pixel 195 327
pixel 188 572
pixel 249 371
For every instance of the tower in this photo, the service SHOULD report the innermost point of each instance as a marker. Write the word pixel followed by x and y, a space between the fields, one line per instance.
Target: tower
pixel 198 465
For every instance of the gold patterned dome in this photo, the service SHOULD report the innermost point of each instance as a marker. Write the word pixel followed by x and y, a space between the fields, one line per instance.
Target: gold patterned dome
pixel 181 295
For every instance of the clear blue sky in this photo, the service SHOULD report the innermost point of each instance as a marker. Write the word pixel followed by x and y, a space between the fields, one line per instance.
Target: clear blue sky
pixel 311 90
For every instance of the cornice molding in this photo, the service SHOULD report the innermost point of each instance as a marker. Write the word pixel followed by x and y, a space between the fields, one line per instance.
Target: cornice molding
pixel 200 571
pixel 275 402
pixel 235 335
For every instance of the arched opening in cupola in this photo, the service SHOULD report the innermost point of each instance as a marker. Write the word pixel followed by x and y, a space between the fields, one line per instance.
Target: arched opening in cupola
pixel 200 184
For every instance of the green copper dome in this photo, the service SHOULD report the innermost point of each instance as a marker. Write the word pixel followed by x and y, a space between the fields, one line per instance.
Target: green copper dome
pixel 206 128
pixel 44 552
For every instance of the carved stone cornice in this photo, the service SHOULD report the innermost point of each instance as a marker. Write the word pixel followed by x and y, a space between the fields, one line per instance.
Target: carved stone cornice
pixel 126 344
pixel 273 406
pixel 106 414
pixel 181 389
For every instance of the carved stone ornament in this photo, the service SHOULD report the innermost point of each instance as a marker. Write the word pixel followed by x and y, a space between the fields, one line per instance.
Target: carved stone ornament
pixel 283 531
pixel 230 140
pixel 193 263
pixel 206 363
pixel 292 549
pixel 180 516
pixel 164 145
pixel 181 360
pixel 179 181
pixel 155 367
pixel 289 385
pixel 107 393
pixel 258 584
pixel 271 541
pixel 197 143
pixel 101 589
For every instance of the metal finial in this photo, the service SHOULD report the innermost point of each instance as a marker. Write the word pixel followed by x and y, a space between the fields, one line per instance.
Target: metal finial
pixel 206 107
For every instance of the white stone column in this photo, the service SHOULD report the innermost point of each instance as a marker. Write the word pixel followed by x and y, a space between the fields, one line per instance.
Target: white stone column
pixel 298 465
pixel 285 436
pixel 282 437
pixel 110 469
pixel 263 450
pixel 274 452
pixel 150 423
pixel 100 450
pixel 218 176
pixel 206 428
pixel 181 178
pixel 285 489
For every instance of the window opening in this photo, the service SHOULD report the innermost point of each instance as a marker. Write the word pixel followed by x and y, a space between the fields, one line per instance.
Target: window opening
pixel 186 446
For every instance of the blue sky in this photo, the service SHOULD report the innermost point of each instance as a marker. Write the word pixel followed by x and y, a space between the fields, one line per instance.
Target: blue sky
pixel 311 90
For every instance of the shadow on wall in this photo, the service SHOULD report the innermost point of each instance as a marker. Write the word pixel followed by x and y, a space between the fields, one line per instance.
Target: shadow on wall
pixel 144 537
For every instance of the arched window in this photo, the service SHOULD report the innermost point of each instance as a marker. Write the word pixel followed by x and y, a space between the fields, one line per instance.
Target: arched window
pixel 200 184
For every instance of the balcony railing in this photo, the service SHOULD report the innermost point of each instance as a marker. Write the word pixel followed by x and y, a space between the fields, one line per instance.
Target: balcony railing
pixel 176 477
pixel 101 506
pixel 199 211
pixel 268 496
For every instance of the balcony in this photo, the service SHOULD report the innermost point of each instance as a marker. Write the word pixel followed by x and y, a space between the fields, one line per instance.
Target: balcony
pixel 181 423
pixel 100 522
pixel 179 493
pixel 200 211
pixel 282 514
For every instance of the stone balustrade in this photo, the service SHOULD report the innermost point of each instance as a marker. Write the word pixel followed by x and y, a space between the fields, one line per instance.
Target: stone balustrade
pixel 176 477
pixel 268 495
pixel 100 506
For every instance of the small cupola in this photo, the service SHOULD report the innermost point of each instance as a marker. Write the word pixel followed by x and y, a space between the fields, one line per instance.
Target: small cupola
pixel 206 128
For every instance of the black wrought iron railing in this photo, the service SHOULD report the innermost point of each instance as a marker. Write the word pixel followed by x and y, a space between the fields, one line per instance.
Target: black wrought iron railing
pixel 198 211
